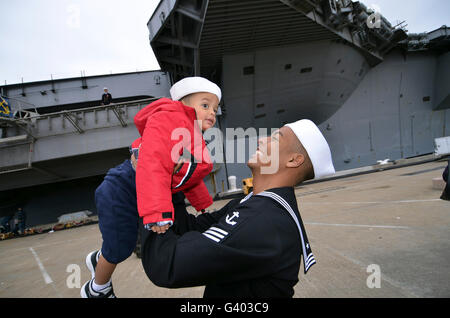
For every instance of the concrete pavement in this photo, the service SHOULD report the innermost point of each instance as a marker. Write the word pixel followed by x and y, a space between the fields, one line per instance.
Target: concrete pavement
pixel 390 223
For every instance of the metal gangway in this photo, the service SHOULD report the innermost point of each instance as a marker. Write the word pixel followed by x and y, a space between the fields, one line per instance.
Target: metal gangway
pixel 32 137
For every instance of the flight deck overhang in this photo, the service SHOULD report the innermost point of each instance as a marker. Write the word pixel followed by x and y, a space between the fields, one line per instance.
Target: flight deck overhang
pixel 190 37
pixel 437 40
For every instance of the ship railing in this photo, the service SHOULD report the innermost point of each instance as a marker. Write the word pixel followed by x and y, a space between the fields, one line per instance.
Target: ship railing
pixel 37 125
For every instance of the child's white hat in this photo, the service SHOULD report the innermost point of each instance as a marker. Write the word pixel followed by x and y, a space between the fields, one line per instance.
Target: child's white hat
pixel 316 146
pixel 190 85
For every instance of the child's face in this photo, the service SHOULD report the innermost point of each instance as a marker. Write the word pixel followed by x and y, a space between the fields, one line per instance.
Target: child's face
pixel 206 106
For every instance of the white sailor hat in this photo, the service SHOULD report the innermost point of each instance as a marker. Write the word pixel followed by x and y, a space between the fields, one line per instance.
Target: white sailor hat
pixel 315 144
pixel 190 85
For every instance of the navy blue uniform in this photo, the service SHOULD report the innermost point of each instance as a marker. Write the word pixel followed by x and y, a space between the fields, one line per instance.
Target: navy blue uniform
pixel 249 248
pixel 446 193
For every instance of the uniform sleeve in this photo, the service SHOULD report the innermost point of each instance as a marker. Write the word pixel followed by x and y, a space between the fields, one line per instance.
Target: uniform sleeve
pixel 199 258
pixel 154 170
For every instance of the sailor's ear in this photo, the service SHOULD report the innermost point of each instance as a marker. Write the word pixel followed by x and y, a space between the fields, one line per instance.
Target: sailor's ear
pixel 295 160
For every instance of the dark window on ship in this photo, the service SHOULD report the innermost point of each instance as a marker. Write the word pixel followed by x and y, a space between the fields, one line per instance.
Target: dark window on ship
pixel 288 67
pixel 306 70
pixel 426 98
pixel 249 70
pixel 260 116
pixel 259 105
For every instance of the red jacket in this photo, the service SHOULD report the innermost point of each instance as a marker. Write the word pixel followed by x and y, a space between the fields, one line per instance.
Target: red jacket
pixel 161 146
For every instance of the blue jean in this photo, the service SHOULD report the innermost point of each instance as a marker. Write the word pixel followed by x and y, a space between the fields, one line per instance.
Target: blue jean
pixel 118 217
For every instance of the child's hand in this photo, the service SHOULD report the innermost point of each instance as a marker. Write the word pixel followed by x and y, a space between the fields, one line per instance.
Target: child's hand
pixel 133 161
pixel 160 229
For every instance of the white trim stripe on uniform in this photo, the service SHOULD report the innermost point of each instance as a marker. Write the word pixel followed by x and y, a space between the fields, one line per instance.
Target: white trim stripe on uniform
pixel 246 197
pixel 220 236
pixel 215 239
pixel 215 234
pixel 308 260
pixel 218 230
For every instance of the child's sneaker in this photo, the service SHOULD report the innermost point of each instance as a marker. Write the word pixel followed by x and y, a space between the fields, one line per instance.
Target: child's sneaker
pixel 87 291
pixel 91 261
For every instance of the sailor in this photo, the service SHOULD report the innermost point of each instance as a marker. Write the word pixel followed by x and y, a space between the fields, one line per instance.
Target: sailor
pixel 446 192
pixel 251 247
pixel 106 97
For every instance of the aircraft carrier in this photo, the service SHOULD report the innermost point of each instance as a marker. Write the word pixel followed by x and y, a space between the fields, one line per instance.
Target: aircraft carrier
pixel 375 91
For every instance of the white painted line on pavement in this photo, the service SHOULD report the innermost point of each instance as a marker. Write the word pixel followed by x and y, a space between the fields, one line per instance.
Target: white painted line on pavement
pixel 46 276
pixel 371 202
pixel 360 225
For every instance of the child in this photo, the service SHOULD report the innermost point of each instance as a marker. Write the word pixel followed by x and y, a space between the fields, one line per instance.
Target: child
pixel 171 131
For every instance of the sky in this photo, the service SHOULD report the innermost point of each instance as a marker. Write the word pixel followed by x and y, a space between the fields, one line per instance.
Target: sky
pixel 62 38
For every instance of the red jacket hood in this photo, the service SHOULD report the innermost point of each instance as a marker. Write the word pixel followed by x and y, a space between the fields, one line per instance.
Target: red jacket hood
pixel 162 104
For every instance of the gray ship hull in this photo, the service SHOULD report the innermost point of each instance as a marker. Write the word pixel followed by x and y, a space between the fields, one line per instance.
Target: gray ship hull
pixel 270 87
pixel 392 111
pixel 375 95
